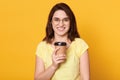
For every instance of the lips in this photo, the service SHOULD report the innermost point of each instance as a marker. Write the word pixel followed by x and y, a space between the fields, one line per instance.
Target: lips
pixel 60 28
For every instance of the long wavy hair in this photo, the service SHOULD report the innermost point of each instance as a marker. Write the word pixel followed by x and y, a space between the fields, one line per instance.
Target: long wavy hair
pixel 72 33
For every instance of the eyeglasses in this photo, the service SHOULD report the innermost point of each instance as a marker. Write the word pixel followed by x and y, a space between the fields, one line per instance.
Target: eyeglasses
pixel 56 20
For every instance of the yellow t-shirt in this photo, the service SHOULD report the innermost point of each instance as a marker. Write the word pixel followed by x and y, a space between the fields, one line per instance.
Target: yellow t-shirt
pixel 70 69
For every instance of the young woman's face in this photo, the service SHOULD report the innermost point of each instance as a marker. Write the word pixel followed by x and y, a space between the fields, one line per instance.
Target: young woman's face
pixel 60 23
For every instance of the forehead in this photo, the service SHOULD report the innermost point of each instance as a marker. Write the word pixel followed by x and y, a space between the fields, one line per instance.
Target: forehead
pixel 60 14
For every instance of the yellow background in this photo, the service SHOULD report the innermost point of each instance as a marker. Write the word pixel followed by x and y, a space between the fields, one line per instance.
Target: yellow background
pixel 22 27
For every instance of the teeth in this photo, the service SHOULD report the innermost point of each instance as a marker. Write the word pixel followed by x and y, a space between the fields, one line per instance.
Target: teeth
pixel 60 28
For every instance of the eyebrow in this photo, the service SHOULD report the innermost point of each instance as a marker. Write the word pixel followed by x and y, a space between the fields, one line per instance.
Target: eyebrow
pixel 63 18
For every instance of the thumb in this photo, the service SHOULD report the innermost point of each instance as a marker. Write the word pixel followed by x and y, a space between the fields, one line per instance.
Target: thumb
pixel 55 51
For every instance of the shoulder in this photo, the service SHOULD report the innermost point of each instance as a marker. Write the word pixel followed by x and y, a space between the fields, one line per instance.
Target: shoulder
pixel 42 44
pixel 79 42
pixel 78 39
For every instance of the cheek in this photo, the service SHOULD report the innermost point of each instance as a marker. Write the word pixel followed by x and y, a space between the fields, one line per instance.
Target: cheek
pixel 68 26
pixel 53 26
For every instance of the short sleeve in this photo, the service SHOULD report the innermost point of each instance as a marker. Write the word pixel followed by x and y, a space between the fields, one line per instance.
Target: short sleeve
pixel 81 46
pixel 39 50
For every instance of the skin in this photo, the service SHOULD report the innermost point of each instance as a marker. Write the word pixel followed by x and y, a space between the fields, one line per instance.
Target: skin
pixel 61 25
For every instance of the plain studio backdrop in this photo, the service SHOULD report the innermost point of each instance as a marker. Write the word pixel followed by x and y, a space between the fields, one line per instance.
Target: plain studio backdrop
pixel 22 27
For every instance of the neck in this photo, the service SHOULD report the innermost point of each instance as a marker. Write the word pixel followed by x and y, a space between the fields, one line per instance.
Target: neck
pixel 61 38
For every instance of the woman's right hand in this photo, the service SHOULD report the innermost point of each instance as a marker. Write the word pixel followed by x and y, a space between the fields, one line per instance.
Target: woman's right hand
pixel 56 59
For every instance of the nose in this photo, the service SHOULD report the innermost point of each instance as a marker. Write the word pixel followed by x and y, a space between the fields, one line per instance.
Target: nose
pixel 61 23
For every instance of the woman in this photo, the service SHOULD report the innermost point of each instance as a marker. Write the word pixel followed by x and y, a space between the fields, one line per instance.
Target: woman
pixel 74 65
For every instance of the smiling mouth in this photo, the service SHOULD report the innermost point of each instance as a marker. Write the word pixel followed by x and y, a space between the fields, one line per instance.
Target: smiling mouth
pixel 60 28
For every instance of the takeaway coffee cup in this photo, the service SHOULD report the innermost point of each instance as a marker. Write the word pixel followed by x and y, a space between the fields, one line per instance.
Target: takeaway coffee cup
pixel 62 46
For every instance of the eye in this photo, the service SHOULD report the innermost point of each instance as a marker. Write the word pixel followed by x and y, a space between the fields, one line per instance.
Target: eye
pixel 66 19
pixel 56 19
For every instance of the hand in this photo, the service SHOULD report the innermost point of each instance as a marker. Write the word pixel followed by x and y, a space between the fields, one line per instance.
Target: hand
pixel 57 59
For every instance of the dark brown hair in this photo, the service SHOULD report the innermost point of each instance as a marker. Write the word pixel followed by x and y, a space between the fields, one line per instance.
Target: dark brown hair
pixel 72 33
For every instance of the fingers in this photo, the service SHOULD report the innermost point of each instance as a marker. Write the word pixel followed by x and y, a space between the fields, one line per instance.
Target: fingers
pixel 56 59
pixel 60 59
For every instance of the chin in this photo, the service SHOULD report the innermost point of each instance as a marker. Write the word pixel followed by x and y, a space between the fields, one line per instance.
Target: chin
pixel 61 34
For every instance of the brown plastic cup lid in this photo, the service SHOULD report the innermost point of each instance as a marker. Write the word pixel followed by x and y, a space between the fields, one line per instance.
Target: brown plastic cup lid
pixel 60 44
